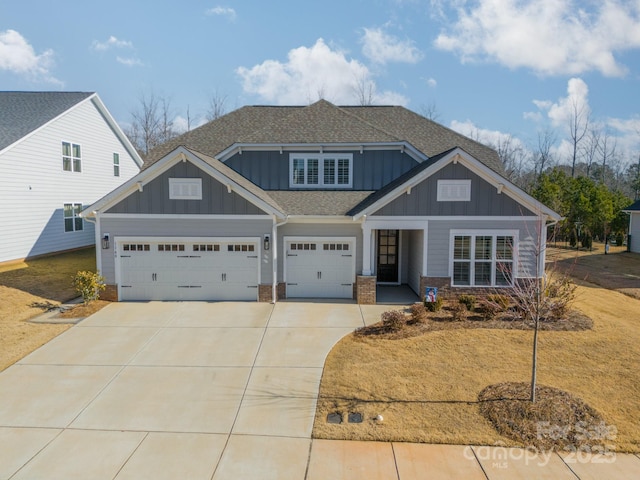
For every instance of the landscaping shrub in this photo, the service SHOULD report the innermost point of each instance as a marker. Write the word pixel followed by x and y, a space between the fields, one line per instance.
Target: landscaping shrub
pixel 88 285
pixel 468 301
pixel 501 301
pixel 394 320
pixel 418 313
pixel 489 310
pixel 459 312
pixel 434 306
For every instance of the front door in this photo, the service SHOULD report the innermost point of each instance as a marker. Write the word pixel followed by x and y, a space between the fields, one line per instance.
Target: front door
pixel 387 265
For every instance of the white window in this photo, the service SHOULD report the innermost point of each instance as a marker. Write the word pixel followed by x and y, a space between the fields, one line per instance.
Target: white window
pixel 116 164
pixel 71 157
pixel 72 220
pixel 185 188
pixel 326 170
pixel 454 190
pixel 482 259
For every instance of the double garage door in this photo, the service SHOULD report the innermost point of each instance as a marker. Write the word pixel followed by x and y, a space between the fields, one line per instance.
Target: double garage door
pixel 320 268
pixel 189 269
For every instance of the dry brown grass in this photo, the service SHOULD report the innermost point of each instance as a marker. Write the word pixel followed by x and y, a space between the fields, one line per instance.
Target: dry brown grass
pixel 426 387
pixel 27 289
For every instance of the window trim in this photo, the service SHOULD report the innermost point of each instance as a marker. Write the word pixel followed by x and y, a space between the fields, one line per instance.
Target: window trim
pixel 321 157
pixel 197 181
pixel 72 157
pixel 445 186
pixel 494 234
pixel 75 216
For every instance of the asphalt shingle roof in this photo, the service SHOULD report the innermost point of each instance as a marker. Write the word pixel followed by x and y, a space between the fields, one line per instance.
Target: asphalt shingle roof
pixel 317 202
pixel 23 112
pixel 634 207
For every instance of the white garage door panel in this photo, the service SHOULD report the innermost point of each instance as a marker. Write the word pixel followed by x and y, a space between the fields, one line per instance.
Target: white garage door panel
pixel 189 270
pixel 320 269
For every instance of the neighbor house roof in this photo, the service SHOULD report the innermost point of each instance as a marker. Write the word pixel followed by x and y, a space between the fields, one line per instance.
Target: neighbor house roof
pixel 325 123
pixel 634 207
pixel 24 112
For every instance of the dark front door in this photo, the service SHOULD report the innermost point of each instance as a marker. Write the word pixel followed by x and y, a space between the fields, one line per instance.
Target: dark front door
pixel 387 256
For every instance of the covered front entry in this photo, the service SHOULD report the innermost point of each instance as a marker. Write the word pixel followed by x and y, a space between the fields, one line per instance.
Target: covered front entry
pixel 188 269
pixel 320 267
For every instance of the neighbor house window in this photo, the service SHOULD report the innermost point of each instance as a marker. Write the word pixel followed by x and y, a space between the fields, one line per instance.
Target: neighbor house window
pixel 72 220
pixel 116 164
pixel 71 157
pixel 185 188
pixel 320 170
pixel 482 259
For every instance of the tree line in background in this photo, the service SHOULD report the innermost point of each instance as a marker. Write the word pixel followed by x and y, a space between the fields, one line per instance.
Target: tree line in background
pixel 589 188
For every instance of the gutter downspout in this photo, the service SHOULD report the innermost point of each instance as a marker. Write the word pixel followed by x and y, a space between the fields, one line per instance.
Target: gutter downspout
pixel 274 242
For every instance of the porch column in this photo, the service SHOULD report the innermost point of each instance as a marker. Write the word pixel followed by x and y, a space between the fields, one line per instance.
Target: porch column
pixel 367 236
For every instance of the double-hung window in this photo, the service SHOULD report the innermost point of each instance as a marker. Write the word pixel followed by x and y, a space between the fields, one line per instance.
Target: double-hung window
pixel 72 220
pixel 71 157
pixel 320 170
pixel 116 164
pixel 482 259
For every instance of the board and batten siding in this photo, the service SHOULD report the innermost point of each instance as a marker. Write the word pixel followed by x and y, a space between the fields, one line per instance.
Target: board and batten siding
pixel 439 241
pixel 180 228
pixel 485 199
pixel 216 199
pixel 372 169
pixel 318 231
pixel 34 187
pixel 415 254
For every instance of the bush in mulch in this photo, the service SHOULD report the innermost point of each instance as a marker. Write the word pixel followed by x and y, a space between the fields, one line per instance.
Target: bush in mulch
pixel 556 421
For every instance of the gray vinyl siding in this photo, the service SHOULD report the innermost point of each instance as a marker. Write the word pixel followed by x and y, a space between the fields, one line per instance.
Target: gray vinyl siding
pixel 439 238
pixel 216 199
pixel 415 253
pixel 485 200
pixel 319 230
pixel 180 228
pixel 371 169
pixel 634 231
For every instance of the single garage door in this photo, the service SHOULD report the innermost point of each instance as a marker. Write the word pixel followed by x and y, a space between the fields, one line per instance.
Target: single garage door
pixel 197 269
pixel 320 268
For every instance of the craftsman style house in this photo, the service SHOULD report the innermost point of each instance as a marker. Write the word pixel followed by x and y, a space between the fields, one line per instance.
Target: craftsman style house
pixel 315 201
pixel 59 151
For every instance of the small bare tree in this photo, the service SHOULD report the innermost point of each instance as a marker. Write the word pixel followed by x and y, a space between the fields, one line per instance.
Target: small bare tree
pixel 578 127
pixel 152 122
pixel 430 111
pixel 365 91
pixel 217 106
pixel 546 139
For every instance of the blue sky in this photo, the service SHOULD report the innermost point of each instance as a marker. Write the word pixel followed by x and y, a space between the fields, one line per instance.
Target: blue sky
pixel 491 67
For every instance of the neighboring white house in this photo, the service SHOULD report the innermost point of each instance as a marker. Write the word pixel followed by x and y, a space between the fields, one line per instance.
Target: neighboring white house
pixel 59 151
pixel 634 226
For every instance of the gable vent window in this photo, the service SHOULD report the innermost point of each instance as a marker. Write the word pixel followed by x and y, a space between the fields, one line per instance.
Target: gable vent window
pixel 185 188
pixel 325 170
pixel 454 190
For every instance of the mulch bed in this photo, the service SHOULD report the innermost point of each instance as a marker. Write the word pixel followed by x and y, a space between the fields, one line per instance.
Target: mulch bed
pixel 556 421
pixel 442 320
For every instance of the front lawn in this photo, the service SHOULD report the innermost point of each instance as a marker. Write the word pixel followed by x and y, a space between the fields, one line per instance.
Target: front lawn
pixel 26 290
pixel 426 387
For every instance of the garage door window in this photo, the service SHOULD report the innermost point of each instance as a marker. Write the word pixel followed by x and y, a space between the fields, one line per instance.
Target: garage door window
pixel 302 246
pixel 238 247
pixel 208 247
pixel 335 246
pixel 136 247
pixel 171 247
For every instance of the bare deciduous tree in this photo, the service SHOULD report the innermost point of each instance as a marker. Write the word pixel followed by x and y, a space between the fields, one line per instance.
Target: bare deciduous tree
pixel 546 139
pixel 578 127
pixel 365 90
pixel 430 111
pixel 591 147
pixel 217 107
pixel 152 122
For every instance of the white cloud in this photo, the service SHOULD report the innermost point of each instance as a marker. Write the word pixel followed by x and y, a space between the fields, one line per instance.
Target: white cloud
pixel 483 135
pixel 551 37
pixel 312 73
pixel 111 42
pixel 380 47
pixel 181 124
pixel 432 82
pixel 561 112
pixel 18 56
pixel 130 62
pixel 228 12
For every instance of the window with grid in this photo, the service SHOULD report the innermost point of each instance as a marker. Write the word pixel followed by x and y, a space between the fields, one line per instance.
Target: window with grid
pixel 71 157
pixel 482 260
pixel 72 220
pixel 320 170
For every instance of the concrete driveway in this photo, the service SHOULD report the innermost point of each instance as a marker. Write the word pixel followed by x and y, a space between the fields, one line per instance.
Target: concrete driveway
pixel 209 390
